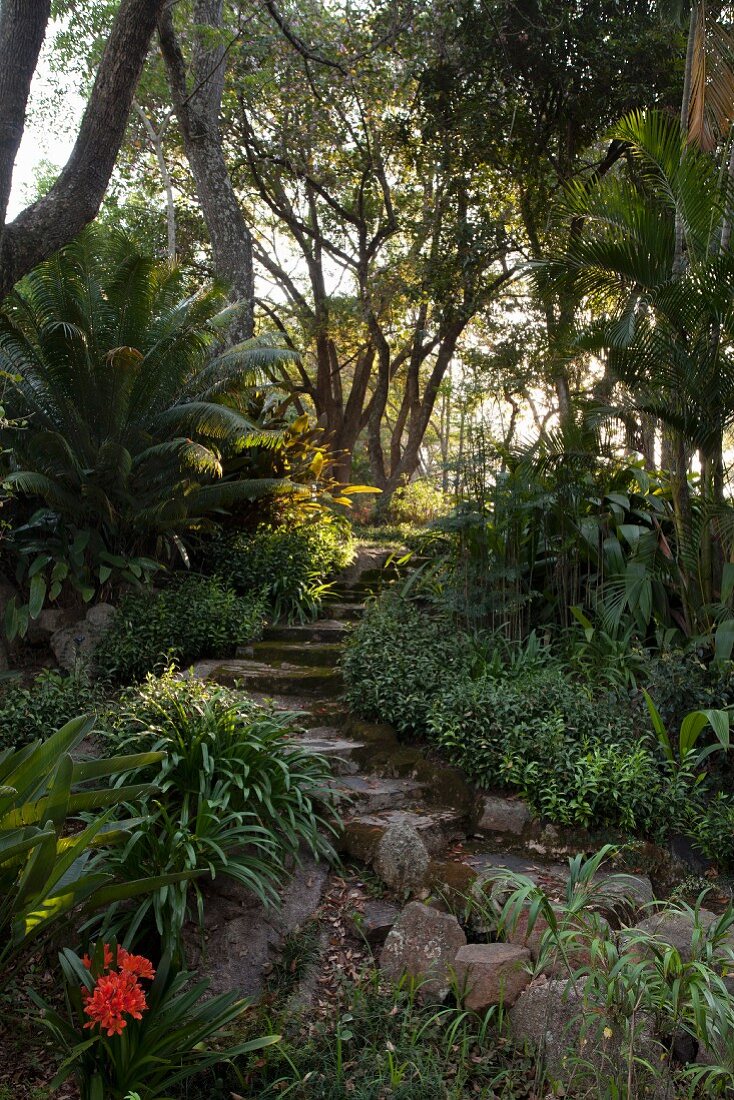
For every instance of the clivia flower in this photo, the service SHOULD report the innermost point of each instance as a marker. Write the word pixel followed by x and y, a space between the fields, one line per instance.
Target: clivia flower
pixel 118 993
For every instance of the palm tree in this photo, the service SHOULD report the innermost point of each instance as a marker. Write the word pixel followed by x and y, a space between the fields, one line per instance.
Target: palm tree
pixel 667 334
pixel 121 406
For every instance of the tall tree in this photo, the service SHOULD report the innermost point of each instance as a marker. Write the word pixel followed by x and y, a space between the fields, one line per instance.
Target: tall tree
pixel 197 98
pixel 381 243
pixel 530 89
pixel 75 197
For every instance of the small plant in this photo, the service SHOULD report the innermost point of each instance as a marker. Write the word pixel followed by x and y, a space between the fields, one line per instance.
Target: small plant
pixel 121 1037
pixel 54 559
pixel 193 617
pixel 238 795
pixel 634 994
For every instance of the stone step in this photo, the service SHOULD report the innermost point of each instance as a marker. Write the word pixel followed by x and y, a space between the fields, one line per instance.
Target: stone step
pixel 340 751
pixel 312 713
pixel 372 794
pixel 257 676
pixel 346 612
pixel 324 630
pixel 313 654
pixel 438 828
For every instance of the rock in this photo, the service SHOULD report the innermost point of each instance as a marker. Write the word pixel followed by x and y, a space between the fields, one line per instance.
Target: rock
pixel 423 944
pixel 677 929
pixel 76 643
pixel 623 894
pixel 451 880
pixel 491 974
pixel 242 937
pixel 578 1043
pixel 579 955
pixel 502 815
pixel 401 858
pixel 375 920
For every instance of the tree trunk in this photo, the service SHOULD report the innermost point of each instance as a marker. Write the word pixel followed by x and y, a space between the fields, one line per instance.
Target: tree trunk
pixel 155 137
pixel 197 112
pixel 22 30
pixel 75 198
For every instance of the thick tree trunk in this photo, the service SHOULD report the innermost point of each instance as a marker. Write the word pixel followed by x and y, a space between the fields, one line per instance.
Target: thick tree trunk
pixel 22 30
pixel 198 114
pixel 75 198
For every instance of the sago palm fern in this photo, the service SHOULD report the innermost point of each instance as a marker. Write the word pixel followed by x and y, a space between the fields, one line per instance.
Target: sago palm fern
pixel 120 404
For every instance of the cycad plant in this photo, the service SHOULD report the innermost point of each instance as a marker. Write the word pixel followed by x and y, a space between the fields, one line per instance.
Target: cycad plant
pixel 121 402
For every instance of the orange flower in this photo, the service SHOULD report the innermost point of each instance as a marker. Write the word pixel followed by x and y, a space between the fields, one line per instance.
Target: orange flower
pixel 115 996
pixel 135 964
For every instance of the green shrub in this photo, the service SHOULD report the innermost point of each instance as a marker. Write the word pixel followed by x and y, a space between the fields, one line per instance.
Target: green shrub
pixel 679 681
pixel 194 617
pixel 237 794
pixel 420 502
pixel 396 659
pixel 28 713
pixel 289 565
pixel 576 760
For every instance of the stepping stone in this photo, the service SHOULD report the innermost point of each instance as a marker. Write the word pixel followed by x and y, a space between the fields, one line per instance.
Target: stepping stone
pixel 437 828
pixel 325 630
pixel 311 712
pixel 281 654
pixel 373 794
pixel 259 676
pixel 339 751
pixel 346 612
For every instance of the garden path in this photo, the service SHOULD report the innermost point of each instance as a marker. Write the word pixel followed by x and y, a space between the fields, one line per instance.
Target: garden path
pixel 380 781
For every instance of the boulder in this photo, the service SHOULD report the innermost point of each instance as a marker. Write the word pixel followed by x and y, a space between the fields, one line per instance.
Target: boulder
pixel 75 644
pixel 495 814
pixel 375 920
pixel 422 945
pixel 578 1044
pixel 491 974
pixel 401 858
pixel 623 894
pixel 242 937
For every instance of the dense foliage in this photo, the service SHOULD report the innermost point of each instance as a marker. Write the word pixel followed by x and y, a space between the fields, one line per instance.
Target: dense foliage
pixel 32 712
pixel 288 565
pixel 236 796
pixel 396 661
pixel 192 617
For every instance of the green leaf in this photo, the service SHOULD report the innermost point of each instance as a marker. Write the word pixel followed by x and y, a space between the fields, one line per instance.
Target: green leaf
pixel 37 596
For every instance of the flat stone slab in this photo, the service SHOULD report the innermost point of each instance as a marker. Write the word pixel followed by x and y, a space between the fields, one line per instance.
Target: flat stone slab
pixel 344 611
pixel 339 751
pixel 287 654
pixel 325 630
pixel 286 679
pixel 373 793
pixel 437 828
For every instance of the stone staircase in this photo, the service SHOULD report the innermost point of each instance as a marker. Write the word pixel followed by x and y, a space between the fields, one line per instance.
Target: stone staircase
pixel 381 785
pixel 412 817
